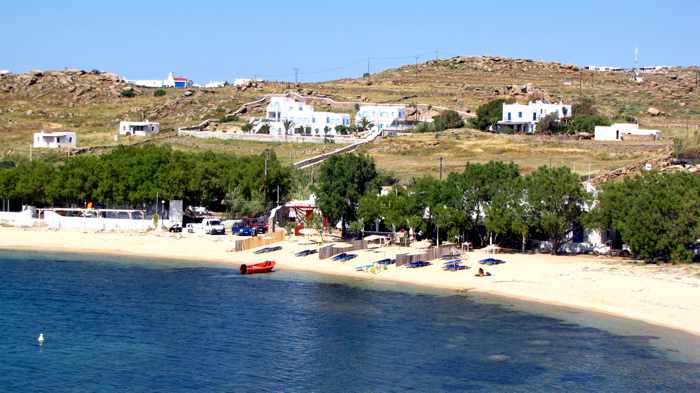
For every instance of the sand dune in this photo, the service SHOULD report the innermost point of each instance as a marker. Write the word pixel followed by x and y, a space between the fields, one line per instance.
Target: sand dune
pixel 662 295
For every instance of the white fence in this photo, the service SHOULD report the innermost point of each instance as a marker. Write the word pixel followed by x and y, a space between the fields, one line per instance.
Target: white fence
pixel 58 222
pixel 266 138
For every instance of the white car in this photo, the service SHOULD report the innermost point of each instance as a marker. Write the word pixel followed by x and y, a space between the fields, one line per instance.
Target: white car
pixel 213 226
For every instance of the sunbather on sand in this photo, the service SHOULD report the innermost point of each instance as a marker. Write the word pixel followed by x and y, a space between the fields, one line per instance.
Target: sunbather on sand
pixel 482 273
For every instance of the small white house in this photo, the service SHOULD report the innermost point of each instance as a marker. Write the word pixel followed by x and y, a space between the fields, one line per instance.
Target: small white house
pixel 625 131
pixel 54 140
pixel 382 116
pixel 138 128
pixel 302 115
pixel 524 118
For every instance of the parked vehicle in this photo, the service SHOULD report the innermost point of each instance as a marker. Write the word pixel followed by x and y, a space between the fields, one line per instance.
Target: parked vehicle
pixel 191 228
pixel 176 228
pixel 243 231
pixel 263 267
pixel 213 226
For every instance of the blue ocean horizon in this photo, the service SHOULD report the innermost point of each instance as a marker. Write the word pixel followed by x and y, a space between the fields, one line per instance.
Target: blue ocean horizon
pixel 131 325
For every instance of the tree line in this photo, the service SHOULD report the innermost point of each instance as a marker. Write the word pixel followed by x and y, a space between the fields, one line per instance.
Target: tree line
pixel 656 215
pixel 135 176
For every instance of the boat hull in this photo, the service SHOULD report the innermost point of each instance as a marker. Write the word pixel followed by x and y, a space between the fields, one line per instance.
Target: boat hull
pixel 264 267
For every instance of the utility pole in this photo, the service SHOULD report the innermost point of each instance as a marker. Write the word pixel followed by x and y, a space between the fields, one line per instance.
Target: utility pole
pixel 441 159
pixel 437 55
pixel 368 73
pixel 296 75
pixel 278 195
pixel 417 66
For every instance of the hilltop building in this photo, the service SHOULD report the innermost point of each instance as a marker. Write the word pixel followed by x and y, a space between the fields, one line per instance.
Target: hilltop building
pixel 170 81
pixel 54 140
pixel 302 115
pixel 382 116
pixel 177 81
pixel 138 128
pixel 524 118
pixel 625 132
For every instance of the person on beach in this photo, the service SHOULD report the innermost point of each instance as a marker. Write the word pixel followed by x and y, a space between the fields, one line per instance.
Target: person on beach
pixel 482 273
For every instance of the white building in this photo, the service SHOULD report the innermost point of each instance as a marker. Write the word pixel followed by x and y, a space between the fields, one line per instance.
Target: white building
pixel 603 68
pixel 214 84
pixel 54 140
pixel 4 72
pixel 302 115
pixel 138 128
pixel 524 118
pixel 242 81
pixel 157 83
pixel 382 116
pixel 625 131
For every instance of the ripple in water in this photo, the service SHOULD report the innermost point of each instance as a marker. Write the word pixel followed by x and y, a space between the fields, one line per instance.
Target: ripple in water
pixel 136 327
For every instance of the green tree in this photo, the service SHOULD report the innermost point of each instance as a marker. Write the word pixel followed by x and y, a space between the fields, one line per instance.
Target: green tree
pixel 343 179
pixel 159 93
pixel 556 198
pixel 487 115
pixel 548 124
pixel 657 215
pixel 365 125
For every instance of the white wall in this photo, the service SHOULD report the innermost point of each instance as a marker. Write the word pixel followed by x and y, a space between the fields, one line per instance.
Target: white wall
pixel 302 115
pixel 618 131
pixel 127 128
pixel 18 219
pixel 381 115
pixel 54 140
pixel 56 221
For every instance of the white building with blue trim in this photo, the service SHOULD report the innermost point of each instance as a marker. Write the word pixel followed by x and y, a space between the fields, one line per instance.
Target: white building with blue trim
pixel 524 118
pixel 303 116
pixel 382 116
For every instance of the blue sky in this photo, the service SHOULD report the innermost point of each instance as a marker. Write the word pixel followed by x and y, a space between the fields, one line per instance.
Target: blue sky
pixel 217 40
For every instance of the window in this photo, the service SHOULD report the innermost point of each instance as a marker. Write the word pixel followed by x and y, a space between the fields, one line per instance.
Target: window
pixel 509 117
pixel 534 116
pixel 520 115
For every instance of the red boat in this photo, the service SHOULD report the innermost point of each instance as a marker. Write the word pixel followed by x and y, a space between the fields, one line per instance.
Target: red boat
pixel 263 267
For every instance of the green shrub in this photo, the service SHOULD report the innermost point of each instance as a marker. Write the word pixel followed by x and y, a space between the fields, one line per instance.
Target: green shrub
pixel 264 129
pixel 586 123
pixel 446 120
pixel 247 127
pixel 423 127
pixel 228 119
pixel 159 93
pixel 128 93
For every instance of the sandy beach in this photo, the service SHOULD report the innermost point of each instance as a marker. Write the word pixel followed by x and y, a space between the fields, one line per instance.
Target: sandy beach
pixel 668 296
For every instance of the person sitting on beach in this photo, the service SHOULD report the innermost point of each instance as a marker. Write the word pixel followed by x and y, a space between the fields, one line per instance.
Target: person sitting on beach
pixel 482 273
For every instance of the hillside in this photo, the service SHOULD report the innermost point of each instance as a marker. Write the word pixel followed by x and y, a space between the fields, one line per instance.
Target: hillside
pixel 92 103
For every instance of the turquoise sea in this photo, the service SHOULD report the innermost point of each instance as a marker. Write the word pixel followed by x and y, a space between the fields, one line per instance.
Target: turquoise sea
pixel 128 325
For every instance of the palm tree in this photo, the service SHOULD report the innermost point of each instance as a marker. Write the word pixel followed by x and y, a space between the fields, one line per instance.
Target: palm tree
pixel 288 125
pixel 365 124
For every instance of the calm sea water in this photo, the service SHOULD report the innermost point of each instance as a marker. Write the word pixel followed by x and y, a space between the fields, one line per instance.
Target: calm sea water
pixel 116 325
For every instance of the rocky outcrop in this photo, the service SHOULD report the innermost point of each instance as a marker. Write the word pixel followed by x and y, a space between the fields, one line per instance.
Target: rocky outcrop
pixel 63 87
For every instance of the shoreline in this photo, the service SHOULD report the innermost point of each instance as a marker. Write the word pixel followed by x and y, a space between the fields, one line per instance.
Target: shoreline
pixel 664 296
